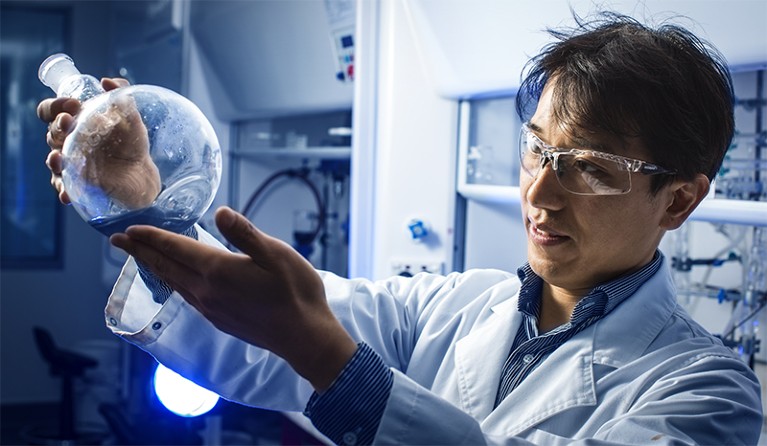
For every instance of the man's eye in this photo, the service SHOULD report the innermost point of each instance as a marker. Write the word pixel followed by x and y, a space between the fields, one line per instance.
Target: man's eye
pixel 534 147
pixel 587 166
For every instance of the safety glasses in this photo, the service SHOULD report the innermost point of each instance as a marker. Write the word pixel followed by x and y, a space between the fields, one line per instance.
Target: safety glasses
pixel 582 172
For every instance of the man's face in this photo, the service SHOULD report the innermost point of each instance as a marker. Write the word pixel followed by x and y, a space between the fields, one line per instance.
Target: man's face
pixel 578 241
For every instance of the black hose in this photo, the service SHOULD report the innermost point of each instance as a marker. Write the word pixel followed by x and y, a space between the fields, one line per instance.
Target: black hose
pixel 296 174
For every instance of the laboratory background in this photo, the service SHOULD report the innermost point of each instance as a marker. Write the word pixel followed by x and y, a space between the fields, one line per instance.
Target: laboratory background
pixel 377 137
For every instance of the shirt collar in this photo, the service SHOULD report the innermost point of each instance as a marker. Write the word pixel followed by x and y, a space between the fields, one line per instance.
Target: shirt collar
pixel 601 299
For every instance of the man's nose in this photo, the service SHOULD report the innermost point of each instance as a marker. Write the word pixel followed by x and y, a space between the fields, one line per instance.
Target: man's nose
pixel 544 190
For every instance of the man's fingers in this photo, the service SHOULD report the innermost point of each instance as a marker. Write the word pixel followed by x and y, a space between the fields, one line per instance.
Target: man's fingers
pixel 48 109
pixel 54 162
pixel 178 248
pixel 58 184
pixel 58 130
pixel 111 83
pixel 64 197
pixel 241 233
pixel 167 267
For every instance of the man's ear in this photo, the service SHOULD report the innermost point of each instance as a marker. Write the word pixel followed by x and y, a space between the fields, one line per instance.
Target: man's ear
pixel 684 197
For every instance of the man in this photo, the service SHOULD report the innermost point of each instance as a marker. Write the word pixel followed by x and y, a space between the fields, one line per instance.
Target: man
pixel 585 343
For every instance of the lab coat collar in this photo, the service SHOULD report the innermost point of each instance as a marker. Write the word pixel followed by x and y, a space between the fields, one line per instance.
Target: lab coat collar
pixel 488 345
pixel 480 355
pixel 647 312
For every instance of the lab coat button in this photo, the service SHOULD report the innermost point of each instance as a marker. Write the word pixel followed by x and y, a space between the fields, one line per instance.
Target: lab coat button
pixel 156 326
pixel 528 358
pixel 112 321
pixel 350 438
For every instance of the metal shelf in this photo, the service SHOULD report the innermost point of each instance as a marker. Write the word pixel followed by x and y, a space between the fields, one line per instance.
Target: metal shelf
pixel 269 156
pixel 308 152
pixel 717 210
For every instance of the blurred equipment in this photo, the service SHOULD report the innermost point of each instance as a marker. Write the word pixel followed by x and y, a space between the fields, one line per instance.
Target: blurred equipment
pixel 341 14
pixel 298 169
pixel 307 225
pixel 739 217
pixel 68 366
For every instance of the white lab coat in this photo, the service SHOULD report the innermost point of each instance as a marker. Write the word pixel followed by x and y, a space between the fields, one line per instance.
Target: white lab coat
pixel 646 373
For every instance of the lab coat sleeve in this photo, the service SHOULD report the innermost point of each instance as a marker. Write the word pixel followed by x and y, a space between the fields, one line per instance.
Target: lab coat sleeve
pixel 179 337
pixel 710 399
pixel 383 314
pixel 387 315
pixel 413 415
pixel 391 316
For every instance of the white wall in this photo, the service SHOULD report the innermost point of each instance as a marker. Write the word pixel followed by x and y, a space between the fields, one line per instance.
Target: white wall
pixel 415 138
pixel 273 57
pixel 481 45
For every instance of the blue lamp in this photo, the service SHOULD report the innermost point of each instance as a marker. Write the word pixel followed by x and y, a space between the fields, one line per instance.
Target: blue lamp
pixel 181 396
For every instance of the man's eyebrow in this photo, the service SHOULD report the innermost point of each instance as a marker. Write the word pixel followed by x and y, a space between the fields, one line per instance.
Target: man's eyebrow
pixel 578 141
pixel 534 126
pixel 584 143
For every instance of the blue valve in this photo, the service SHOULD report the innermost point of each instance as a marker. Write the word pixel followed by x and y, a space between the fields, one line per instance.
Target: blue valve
pixel 418 229
pixel 721 296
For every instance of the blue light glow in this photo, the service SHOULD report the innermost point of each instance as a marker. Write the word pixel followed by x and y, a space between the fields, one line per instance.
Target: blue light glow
pixel 181 396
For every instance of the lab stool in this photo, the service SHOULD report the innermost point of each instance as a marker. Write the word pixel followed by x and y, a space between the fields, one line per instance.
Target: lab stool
pixel 68 366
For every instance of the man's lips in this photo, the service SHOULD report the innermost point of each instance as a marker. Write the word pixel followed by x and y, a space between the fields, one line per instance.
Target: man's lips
pixel 543 234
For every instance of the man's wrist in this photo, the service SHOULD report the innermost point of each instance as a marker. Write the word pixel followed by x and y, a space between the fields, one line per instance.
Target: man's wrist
pixel 326 358
pixel 350 411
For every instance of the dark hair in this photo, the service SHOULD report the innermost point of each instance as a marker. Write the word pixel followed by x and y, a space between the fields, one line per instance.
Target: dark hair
pixel 665 86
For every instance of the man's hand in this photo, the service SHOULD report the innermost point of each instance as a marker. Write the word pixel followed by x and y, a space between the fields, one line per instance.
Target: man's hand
pixel 116 145
pixel 268 296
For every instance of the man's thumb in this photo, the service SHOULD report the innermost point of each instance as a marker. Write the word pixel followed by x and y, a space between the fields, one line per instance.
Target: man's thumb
pixel 239 231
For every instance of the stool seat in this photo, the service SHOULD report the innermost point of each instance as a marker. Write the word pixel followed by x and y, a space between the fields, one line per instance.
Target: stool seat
pixel 66 365
pixel 61 362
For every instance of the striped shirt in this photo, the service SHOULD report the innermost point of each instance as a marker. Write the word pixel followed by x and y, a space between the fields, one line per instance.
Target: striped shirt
pixel 530 348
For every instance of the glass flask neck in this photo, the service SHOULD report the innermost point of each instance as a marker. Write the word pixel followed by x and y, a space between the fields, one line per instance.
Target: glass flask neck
pixel 60 74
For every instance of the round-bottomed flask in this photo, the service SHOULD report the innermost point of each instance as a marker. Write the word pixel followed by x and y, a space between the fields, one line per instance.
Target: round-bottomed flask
pixel 140 154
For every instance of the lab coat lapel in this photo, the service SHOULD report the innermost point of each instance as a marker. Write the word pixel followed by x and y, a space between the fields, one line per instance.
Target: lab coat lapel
pixel 531 403
pixel 627 332
pixel 616 340
pixel 479 358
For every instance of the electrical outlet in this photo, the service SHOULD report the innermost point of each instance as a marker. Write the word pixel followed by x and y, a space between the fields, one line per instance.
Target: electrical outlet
pixel 410 268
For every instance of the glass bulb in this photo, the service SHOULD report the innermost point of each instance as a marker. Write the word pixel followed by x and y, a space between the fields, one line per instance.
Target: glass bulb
pixel 136 155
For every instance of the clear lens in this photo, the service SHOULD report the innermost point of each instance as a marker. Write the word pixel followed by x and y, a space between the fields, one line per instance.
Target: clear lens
pixel 578 171
pixel 583 174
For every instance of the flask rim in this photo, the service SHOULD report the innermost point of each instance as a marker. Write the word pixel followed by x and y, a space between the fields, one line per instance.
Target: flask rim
pixel 49 63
